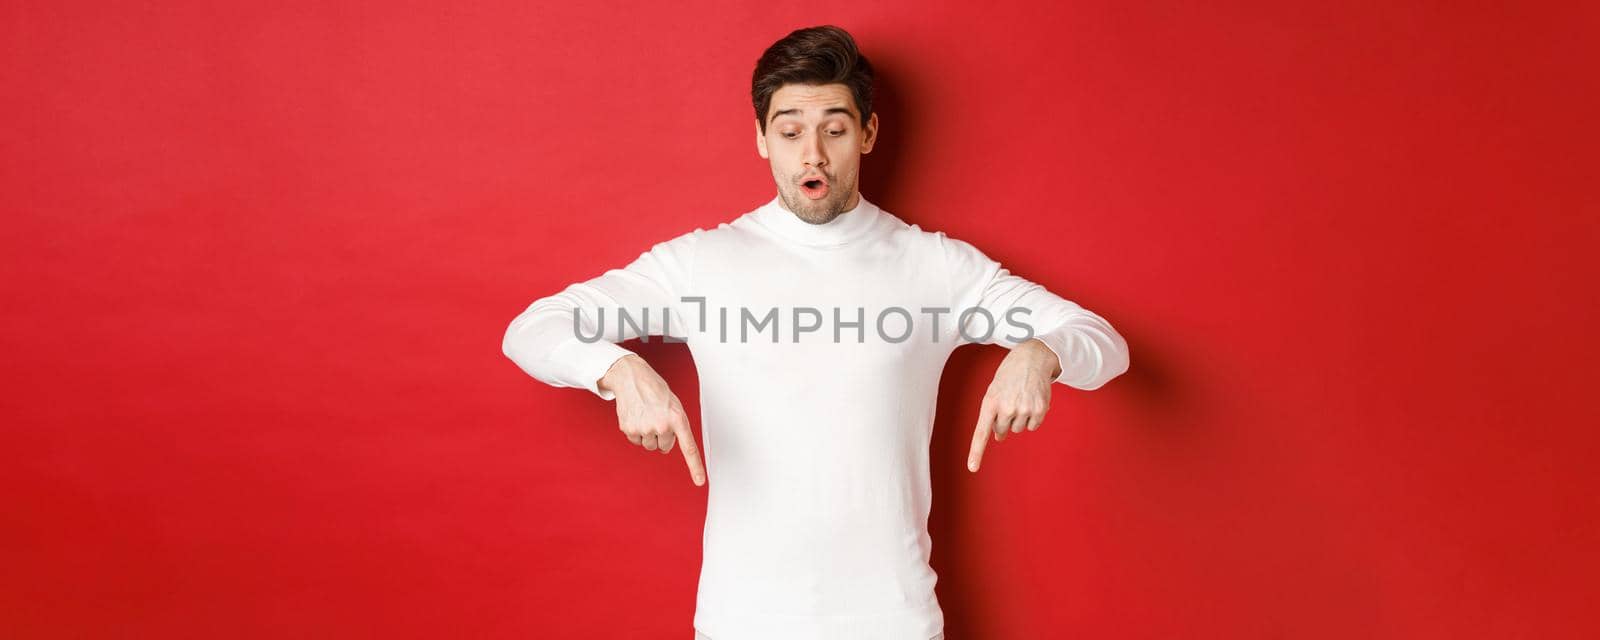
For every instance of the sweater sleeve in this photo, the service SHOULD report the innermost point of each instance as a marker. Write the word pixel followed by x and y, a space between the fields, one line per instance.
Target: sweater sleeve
pixel 988 296
pixel 569 339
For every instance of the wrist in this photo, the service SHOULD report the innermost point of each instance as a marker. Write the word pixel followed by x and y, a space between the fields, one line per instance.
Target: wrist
pixel 1045 357
pixel 620 374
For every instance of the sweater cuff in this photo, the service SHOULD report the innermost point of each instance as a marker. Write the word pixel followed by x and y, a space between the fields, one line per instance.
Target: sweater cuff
pixel 588 362
pixel 1090 352
pixel 1057 342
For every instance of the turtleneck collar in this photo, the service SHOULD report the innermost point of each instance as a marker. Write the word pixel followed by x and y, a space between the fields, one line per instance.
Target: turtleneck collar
pixel 843 228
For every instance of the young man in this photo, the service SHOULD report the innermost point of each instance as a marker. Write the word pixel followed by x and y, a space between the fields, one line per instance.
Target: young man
pixel 820 325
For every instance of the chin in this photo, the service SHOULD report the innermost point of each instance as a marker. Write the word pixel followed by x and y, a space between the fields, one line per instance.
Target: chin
pixel 813 211
pixel 821 211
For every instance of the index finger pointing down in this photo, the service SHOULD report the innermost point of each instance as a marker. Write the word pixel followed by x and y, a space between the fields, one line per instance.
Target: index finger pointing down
pixel 691 453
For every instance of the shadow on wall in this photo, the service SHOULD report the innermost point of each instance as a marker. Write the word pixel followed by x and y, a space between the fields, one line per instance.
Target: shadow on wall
pixel 897 131
pixel 1151 394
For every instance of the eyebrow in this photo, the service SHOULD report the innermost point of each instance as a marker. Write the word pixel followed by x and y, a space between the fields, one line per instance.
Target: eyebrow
pixel 825 112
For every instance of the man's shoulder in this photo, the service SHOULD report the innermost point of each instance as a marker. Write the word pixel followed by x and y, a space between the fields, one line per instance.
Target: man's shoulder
pixel 909 230
pixel 731 226
pixel 933 239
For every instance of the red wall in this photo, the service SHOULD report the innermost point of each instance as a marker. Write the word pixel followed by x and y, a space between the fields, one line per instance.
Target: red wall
pixel 259 261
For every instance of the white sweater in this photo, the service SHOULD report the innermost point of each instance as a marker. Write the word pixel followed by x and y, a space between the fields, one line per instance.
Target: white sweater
pixel 815 428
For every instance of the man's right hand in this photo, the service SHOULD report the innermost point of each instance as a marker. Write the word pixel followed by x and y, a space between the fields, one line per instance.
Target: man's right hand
pixel 648 412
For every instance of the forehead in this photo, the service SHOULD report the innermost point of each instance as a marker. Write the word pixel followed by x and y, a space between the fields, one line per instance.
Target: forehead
pixel 811 102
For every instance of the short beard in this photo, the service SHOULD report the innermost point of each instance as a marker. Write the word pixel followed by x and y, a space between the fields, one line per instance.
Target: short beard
pixel 802 207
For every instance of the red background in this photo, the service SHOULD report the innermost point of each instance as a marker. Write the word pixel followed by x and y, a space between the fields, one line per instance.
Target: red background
pixel 259 262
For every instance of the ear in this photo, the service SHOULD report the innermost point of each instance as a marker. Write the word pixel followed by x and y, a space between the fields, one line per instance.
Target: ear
pixel 871 136
pixel 761 140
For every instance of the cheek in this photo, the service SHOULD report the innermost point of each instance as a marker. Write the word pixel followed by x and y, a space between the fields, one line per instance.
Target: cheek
pixel 844 148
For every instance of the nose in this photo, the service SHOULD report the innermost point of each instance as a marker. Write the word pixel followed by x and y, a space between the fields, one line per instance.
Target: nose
pixel 812 154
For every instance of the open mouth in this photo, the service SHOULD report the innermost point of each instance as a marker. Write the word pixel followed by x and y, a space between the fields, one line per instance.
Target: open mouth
pixel 814 188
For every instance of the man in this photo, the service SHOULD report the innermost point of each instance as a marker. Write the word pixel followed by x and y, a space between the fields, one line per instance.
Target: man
pixel 820 325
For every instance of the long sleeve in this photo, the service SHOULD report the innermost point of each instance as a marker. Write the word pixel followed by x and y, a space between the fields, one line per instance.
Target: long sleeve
pixel 1091 352
pixel 641 299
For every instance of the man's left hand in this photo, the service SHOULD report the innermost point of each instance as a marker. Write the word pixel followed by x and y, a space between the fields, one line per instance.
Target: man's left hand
pixel 1018 397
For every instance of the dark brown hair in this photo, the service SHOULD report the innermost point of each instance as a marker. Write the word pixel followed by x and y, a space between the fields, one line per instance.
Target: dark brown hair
pixel 814 55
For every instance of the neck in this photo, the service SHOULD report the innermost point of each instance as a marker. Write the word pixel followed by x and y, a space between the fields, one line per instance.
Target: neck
pixel 857 218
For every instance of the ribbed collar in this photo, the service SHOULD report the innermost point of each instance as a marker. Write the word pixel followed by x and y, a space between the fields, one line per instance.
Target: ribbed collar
pixel 840 230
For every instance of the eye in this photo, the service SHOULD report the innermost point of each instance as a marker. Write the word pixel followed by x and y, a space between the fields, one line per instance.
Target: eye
pixel 789 134
pixel 836 133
